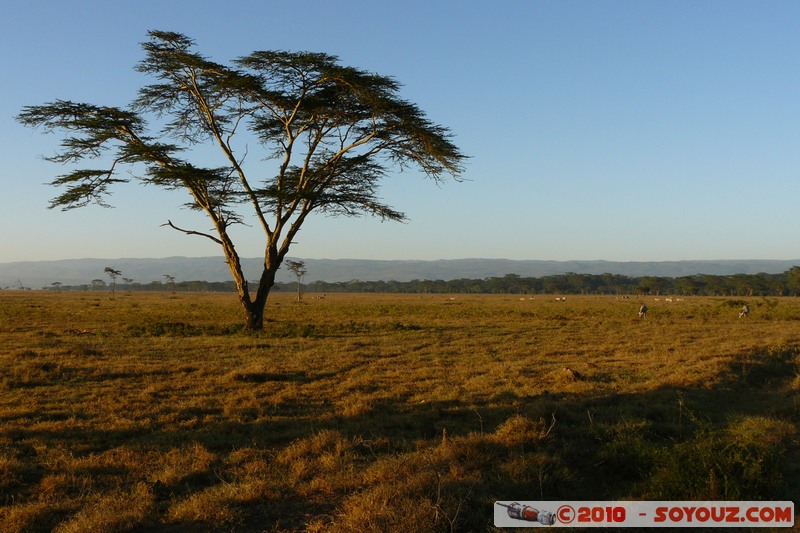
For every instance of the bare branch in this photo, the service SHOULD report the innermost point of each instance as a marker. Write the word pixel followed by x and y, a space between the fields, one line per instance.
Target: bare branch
pixel 191 232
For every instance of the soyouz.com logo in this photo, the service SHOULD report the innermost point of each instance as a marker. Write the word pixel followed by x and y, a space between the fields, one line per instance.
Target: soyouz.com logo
pixel 644 514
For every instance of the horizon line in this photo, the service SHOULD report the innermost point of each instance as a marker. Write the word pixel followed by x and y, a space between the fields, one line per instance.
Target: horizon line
pixel 222 258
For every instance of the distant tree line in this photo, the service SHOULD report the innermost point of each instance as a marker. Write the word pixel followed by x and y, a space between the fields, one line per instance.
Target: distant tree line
pixel 154 286
pixel 785 284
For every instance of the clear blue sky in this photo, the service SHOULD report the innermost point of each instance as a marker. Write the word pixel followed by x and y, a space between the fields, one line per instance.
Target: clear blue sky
pixel 618 130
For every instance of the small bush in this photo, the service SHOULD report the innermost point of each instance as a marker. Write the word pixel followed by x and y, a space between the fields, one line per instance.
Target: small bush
pixel 519 431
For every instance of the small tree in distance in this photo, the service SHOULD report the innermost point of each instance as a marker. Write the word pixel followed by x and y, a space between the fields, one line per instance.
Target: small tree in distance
pixel 298 268
pixel 330 132
pixel 170 282
pixel 112 273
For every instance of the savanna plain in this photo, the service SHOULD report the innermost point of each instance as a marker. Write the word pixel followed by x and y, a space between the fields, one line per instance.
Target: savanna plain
pixel 158 412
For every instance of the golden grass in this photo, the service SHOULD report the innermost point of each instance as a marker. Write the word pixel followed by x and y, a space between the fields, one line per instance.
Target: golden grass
pixel 382 412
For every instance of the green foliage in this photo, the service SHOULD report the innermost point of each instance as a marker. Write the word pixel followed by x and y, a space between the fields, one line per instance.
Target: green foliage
pixel 512 284
pixel 793 280
pixel 571 283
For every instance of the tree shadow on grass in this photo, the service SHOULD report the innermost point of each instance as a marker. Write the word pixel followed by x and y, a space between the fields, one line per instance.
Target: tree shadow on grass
pixel 735 440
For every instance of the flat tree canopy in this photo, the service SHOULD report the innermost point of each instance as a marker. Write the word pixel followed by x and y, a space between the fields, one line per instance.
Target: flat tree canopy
pixel 332 132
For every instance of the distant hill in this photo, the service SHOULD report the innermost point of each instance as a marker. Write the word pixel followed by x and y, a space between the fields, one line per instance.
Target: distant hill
pixel 37 274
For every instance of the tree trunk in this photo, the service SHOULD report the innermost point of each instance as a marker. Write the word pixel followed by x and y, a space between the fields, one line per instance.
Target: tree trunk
pixel 254 316
pixel 254 308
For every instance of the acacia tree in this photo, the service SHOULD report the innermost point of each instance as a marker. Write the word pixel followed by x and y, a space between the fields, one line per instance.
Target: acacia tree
pixel 332 133
pixel 112 273
pixel 298 268
pixel 170 281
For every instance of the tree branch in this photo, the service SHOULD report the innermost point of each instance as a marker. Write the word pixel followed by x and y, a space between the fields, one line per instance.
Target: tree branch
pixel 191 232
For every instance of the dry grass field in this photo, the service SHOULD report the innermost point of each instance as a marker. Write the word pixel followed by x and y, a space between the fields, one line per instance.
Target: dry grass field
pixel 156 412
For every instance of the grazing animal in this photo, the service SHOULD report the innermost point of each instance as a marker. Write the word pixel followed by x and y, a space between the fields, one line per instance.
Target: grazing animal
pixel 745 312
pixel 642 311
